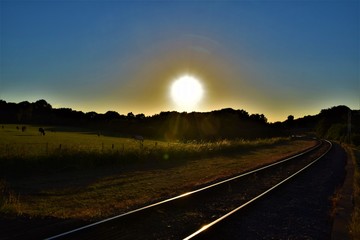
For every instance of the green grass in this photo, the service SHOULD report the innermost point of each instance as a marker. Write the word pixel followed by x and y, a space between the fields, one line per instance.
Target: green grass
pixel 29 151
pixel 88 179
pixel 14 143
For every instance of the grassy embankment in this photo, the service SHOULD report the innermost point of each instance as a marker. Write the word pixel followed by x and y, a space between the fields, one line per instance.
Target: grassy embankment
pixel 354 154
pixel 80 175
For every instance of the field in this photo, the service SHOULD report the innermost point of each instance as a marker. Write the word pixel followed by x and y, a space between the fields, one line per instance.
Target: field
pixel 76 174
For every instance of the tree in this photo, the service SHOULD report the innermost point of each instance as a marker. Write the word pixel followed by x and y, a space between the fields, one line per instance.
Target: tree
pixel 140 116
pixel 130 115
pixel 259 118
pixel 42 105
pixel 110 115
pixel 290 118
pixel 91 115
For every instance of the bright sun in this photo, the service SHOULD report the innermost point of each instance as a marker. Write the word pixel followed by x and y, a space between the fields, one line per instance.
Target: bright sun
pixel 186 91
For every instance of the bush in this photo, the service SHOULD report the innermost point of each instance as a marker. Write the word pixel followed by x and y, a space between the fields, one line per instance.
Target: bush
pixel 337 132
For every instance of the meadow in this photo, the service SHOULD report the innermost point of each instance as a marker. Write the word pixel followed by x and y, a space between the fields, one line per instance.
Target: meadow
pixel 75 173
pixel 78 148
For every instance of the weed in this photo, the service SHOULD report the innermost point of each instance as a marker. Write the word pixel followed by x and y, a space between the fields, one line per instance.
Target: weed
pixel 355 218
pixel 9 201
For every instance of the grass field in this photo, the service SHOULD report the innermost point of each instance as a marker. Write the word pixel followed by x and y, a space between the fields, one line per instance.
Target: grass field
pixel 29 151
pixel 15 143
pixel 77 174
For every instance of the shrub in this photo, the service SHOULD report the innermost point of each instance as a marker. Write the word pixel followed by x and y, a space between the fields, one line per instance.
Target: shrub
pixel 337 132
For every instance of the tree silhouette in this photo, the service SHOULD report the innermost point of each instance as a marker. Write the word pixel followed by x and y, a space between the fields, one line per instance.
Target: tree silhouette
pixel 130 115
pixel 172 125
pixel 110 115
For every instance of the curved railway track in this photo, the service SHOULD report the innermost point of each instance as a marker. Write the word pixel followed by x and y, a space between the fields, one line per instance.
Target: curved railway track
pixel 184 216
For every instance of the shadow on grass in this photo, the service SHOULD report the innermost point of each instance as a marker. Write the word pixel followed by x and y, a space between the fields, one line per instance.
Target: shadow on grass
pixel 81 169
pixel 30 227
pixel 142 158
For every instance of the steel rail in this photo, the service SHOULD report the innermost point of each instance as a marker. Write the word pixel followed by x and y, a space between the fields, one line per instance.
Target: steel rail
pixel 185 194
pixel 207 226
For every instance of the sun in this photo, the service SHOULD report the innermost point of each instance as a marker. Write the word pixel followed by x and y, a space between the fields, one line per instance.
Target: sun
pixel 186 92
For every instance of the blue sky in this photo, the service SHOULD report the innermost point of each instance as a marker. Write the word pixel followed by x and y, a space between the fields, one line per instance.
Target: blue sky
pixel 272 57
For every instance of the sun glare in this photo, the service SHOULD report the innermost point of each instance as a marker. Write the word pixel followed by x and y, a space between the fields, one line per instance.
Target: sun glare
pixel 186 92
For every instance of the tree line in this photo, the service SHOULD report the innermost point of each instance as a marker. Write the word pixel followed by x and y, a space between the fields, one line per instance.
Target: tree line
pixel 338 123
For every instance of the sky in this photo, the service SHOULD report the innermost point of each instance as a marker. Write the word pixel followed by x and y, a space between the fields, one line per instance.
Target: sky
pixel 277 58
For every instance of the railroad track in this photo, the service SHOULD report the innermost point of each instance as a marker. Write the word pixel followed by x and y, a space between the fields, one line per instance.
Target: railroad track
pixel 189 215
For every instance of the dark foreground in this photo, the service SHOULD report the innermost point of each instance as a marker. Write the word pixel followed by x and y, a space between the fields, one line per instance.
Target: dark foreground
pixel 299 210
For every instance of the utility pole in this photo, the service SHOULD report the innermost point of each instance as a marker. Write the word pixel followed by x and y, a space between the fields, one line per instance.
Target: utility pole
pixel 349 127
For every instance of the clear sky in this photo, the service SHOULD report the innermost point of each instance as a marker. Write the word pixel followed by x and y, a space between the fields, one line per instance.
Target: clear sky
pixel 271 57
